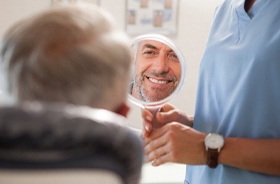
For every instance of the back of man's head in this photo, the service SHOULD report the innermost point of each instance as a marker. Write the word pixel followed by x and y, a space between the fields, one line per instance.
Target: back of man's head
pixel 68 54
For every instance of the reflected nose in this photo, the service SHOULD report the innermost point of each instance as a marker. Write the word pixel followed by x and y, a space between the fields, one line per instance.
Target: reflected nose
pixel 161 64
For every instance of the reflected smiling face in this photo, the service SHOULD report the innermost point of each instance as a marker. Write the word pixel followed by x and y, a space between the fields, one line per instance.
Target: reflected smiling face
pixel 157 71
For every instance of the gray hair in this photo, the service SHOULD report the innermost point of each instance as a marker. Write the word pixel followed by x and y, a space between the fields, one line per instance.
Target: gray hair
pixel 68 54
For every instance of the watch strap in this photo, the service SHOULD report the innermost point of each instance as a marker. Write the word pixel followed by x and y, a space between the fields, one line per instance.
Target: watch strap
pixel 212 157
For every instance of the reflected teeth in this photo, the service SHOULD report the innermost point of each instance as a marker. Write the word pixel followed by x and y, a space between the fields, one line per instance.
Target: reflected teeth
pixel 158 81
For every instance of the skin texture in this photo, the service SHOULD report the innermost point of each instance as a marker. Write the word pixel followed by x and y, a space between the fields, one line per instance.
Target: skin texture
pixel 176 141
pixel 157 71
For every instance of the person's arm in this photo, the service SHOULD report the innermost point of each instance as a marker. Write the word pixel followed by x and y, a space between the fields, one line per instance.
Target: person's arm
pixel 178 143
pixel 259 155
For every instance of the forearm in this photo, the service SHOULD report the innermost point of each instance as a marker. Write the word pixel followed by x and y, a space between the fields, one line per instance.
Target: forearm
pixel 259 155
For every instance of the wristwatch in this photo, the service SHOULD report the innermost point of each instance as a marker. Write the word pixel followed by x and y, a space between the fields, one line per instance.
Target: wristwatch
pixel 213 144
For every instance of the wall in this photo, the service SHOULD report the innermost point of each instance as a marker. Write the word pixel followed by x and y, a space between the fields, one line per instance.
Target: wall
pixel 194 19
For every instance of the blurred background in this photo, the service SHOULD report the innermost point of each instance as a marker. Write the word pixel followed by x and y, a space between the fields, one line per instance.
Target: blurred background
pixel 193 21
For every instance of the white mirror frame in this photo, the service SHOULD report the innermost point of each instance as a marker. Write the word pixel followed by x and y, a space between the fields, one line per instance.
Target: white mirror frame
pixel 170 43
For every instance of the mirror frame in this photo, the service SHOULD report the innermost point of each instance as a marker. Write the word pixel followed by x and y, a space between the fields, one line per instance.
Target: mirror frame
pixel 171 44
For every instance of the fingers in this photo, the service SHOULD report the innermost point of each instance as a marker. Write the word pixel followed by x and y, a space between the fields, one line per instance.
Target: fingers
pixel 147 115
pixel 159 156
pixel 147 119
pixel 174 115
pixel 169 114
pixel 175 143
pixel 164 158
pixel 155 145
pixel 153 154
pixel 156 151
pixel 147 129
pixel 157 134
pixel 167 107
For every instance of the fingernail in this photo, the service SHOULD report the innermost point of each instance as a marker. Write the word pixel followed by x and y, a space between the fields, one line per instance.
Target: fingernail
pixel 149 118
pixel 154 162
pixel 147 128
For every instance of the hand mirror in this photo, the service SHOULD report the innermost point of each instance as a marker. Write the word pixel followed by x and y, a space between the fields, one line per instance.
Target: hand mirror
pixel 158 71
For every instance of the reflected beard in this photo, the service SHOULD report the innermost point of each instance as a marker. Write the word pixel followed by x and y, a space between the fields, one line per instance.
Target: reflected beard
pixel 138 85
pixel 158 94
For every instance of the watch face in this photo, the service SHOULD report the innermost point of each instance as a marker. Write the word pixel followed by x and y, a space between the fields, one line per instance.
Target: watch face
pixel 214 141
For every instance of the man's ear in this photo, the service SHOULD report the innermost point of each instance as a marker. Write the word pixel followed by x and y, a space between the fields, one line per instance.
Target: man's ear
pixel 123 110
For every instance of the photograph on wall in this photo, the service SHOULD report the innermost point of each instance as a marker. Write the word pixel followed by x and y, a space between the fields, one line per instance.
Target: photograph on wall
pixel 151 16
pixel 65 2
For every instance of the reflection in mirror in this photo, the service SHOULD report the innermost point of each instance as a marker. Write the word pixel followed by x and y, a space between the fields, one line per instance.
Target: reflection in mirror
pixel 158 70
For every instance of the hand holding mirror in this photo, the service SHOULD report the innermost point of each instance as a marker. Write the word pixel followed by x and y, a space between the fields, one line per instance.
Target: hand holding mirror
pixel 158 71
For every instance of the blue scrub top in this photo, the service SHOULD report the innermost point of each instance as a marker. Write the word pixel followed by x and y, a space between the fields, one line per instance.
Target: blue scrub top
pixel 239 85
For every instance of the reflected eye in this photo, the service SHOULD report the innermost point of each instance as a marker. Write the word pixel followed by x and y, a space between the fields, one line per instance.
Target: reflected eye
pixel 173 56
pixel 149 53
